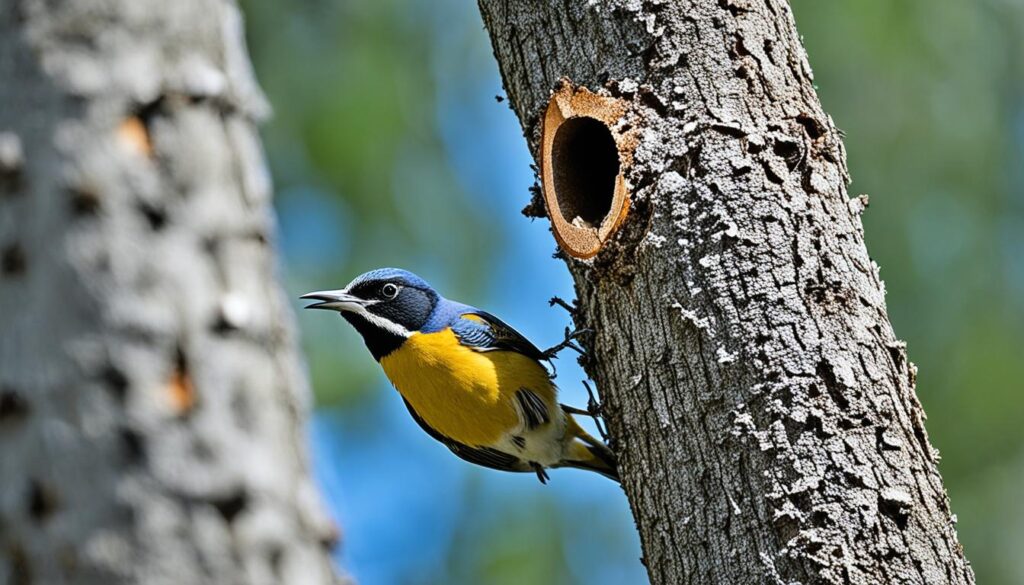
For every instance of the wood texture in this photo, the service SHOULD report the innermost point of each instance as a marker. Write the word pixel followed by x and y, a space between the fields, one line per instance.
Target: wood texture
pixel 764 411
pixel 597 166
pixel 152 402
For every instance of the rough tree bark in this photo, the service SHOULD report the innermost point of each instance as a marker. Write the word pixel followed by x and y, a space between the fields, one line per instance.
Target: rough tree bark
pixel 152 401
pixel 763 409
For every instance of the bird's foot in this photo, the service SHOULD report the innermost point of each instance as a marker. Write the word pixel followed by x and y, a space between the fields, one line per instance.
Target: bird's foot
pixel 569 342
pixel 539 470
pixel 595 411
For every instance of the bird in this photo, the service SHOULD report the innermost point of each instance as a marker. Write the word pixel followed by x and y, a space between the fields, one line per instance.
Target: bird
pixel 468 379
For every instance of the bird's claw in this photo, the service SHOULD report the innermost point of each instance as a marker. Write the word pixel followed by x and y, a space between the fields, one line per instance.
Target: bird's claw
pixel 569 342
pixel 541 474
pixel 595 411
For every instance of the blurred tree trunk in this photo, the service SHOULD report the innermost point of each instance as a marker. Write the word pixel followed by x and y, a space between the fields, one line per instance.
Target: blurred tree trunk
pixel 152 402
pixel 763 410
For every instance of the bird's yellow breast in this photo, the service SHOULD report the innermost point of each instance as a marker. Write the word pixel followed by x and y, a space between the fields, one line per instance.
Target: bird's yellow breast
pixel 466 395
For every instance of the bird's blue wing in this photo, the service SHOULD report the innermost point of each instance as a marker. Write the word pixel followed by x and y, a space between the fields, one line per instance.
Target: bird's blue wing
pixel 483 331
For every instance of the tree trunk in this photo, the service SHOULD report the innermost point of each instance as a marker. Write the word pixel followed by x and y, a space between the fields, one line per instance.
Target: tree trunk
pixel 152 401
pixel 762 408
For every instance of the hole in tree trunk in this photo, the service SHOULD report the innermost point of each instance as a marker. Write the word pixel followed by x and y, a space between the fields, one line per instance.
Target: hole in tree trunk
pixel 585 164
pixel 586 144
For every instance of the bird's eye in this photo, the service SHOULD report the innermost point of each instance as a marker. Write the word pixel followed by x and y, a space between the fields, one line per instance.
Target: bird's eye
pixel 389 291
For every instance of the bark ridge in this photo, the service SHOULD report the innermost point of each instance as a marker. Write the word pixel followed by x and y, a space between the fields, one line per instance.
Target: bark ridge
pixel 764 411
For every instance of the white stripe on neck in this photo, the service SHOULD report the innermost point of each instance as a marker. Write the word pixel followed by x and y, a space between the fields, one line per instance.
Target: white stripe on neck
pixel 377 320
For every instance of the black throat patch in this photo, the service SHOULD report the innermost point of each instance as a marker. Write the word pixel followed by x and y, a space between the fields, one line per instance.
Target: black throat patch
pixel 379 341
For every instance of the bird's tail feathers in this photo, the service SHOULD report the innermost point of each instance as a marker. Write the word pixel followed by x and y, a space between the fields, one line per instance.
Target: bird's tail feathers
pixel 586 452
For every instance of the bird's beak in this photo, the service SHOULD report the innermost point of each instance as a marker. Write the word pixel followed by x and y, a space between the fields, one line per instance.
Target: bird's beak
pixel 335 300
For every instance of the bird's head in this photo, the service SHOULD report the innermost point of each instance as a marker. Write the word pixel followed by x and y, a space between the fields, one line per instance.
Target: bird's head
pixel 385 306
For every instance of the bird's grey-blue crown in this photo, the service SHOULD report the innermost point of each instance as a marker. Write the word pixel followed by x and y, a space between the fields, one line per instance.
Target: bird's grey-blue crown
pixel 396 275
pixel 442 312
pixel 387 320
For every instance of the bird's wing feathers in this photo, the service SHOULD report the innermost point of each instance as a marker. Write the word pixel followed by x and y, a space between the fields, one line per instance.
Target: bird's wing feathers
pixel 483 331
pixel 484 456
pixel 533 408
